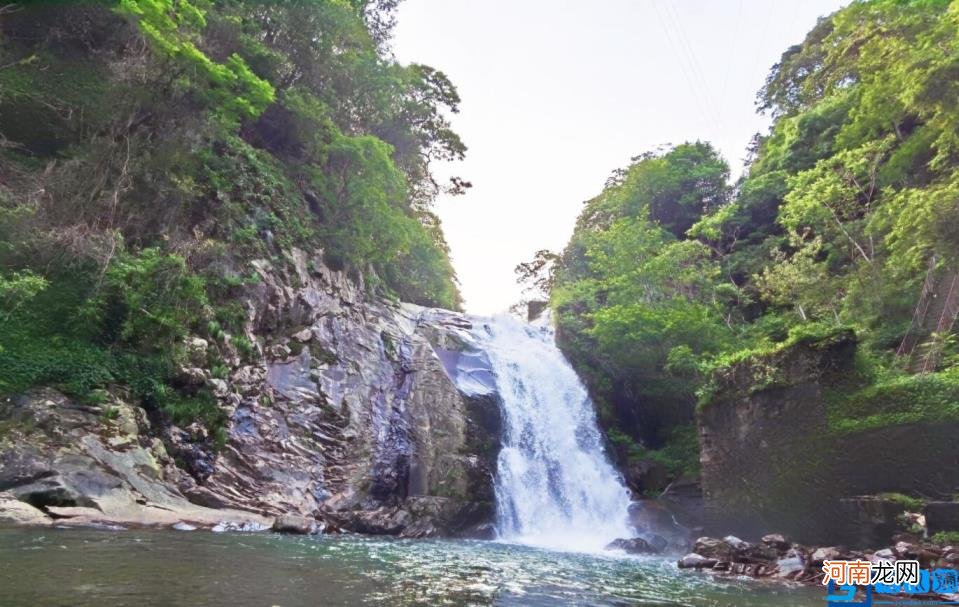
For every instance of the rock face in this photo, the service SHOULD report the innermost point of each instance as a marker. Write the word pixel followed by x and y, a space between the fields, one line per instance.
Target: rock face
pixel 65 462
pixel 771 462
pixel 373 416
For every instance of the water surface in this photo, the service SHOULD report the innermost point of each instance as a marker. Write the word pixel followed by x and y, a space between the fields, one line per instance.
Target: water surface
pixel 99 568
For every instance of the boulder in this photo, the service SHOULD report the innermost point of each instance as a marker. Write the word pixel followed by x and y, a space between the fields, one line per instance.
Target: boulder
pixel 298 525
pixel 906 550
pixel 14 511
pixel 737 543
pixel 828 553
pixel 713 548
pixel 776 541
pixel 696 561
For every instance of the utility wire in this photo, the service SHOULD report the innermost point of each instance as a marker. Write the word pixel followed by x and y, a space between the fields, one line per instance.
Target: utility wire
pixel 682 65
pixel 705 89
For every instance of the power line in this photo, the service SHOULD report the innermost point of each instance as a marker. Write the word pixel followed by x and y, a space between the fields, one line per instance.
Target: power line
pixel 687 48
pixel 682 65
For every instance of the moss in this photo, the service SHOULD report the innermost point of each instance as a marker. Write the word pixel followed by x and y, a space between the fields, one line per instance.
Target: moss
pixel 905 399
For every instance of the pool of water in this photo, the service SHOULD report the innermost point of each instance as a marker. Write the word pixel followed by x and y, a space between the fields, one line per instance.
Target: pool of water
pixel 100 568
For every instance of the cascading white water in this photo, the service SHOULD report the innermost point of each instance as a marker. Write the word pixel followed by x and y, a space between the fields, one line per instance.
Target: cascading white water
pixel 555 487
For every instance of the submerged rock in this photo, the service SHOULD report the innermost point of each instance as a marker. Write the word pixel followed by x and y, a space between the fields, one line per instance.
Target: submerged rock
pixel 636 545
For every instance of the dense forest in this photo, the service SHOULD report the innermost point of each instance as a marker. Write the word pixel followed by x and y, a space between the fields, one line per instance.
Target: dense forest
pixel 847 217
pixel 150 149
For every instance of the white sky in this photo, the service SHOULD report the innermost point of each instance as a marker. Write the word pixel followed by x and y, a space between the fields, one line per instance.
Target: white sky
pixel 558 93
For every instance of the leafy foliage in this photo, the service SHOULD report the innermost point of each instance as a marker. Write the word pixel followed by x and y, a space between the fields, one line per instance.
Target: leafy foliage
pixel 151 149
pixel 846 217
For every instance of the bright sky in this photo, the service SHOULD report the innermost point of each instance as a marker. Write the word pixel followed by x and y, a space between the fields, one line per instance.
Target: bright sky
pixel 558 93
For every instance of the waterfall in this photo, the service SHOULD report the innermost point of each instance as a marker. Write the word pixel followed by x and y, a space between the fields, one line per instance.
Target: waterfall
pixel 555 487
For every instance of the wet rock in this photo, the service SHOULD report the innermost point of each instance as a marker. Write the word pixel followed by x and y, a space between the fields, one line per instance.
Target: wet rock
pixel 713 548
pixel 696 561
pixel 776 541
pixel 535 308
pixel 657 542
pixel 279 351
pixel 737 543
pixel 636 545
pixel 298 525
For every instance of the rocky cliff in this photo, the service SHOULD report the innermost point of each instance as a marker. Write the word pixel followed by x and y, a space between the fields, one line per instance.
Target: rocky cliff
pixel 356 411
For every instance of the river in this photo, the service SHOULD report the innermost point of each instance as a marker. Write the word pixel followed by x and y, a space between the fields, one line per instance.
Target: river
pixel 102 568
